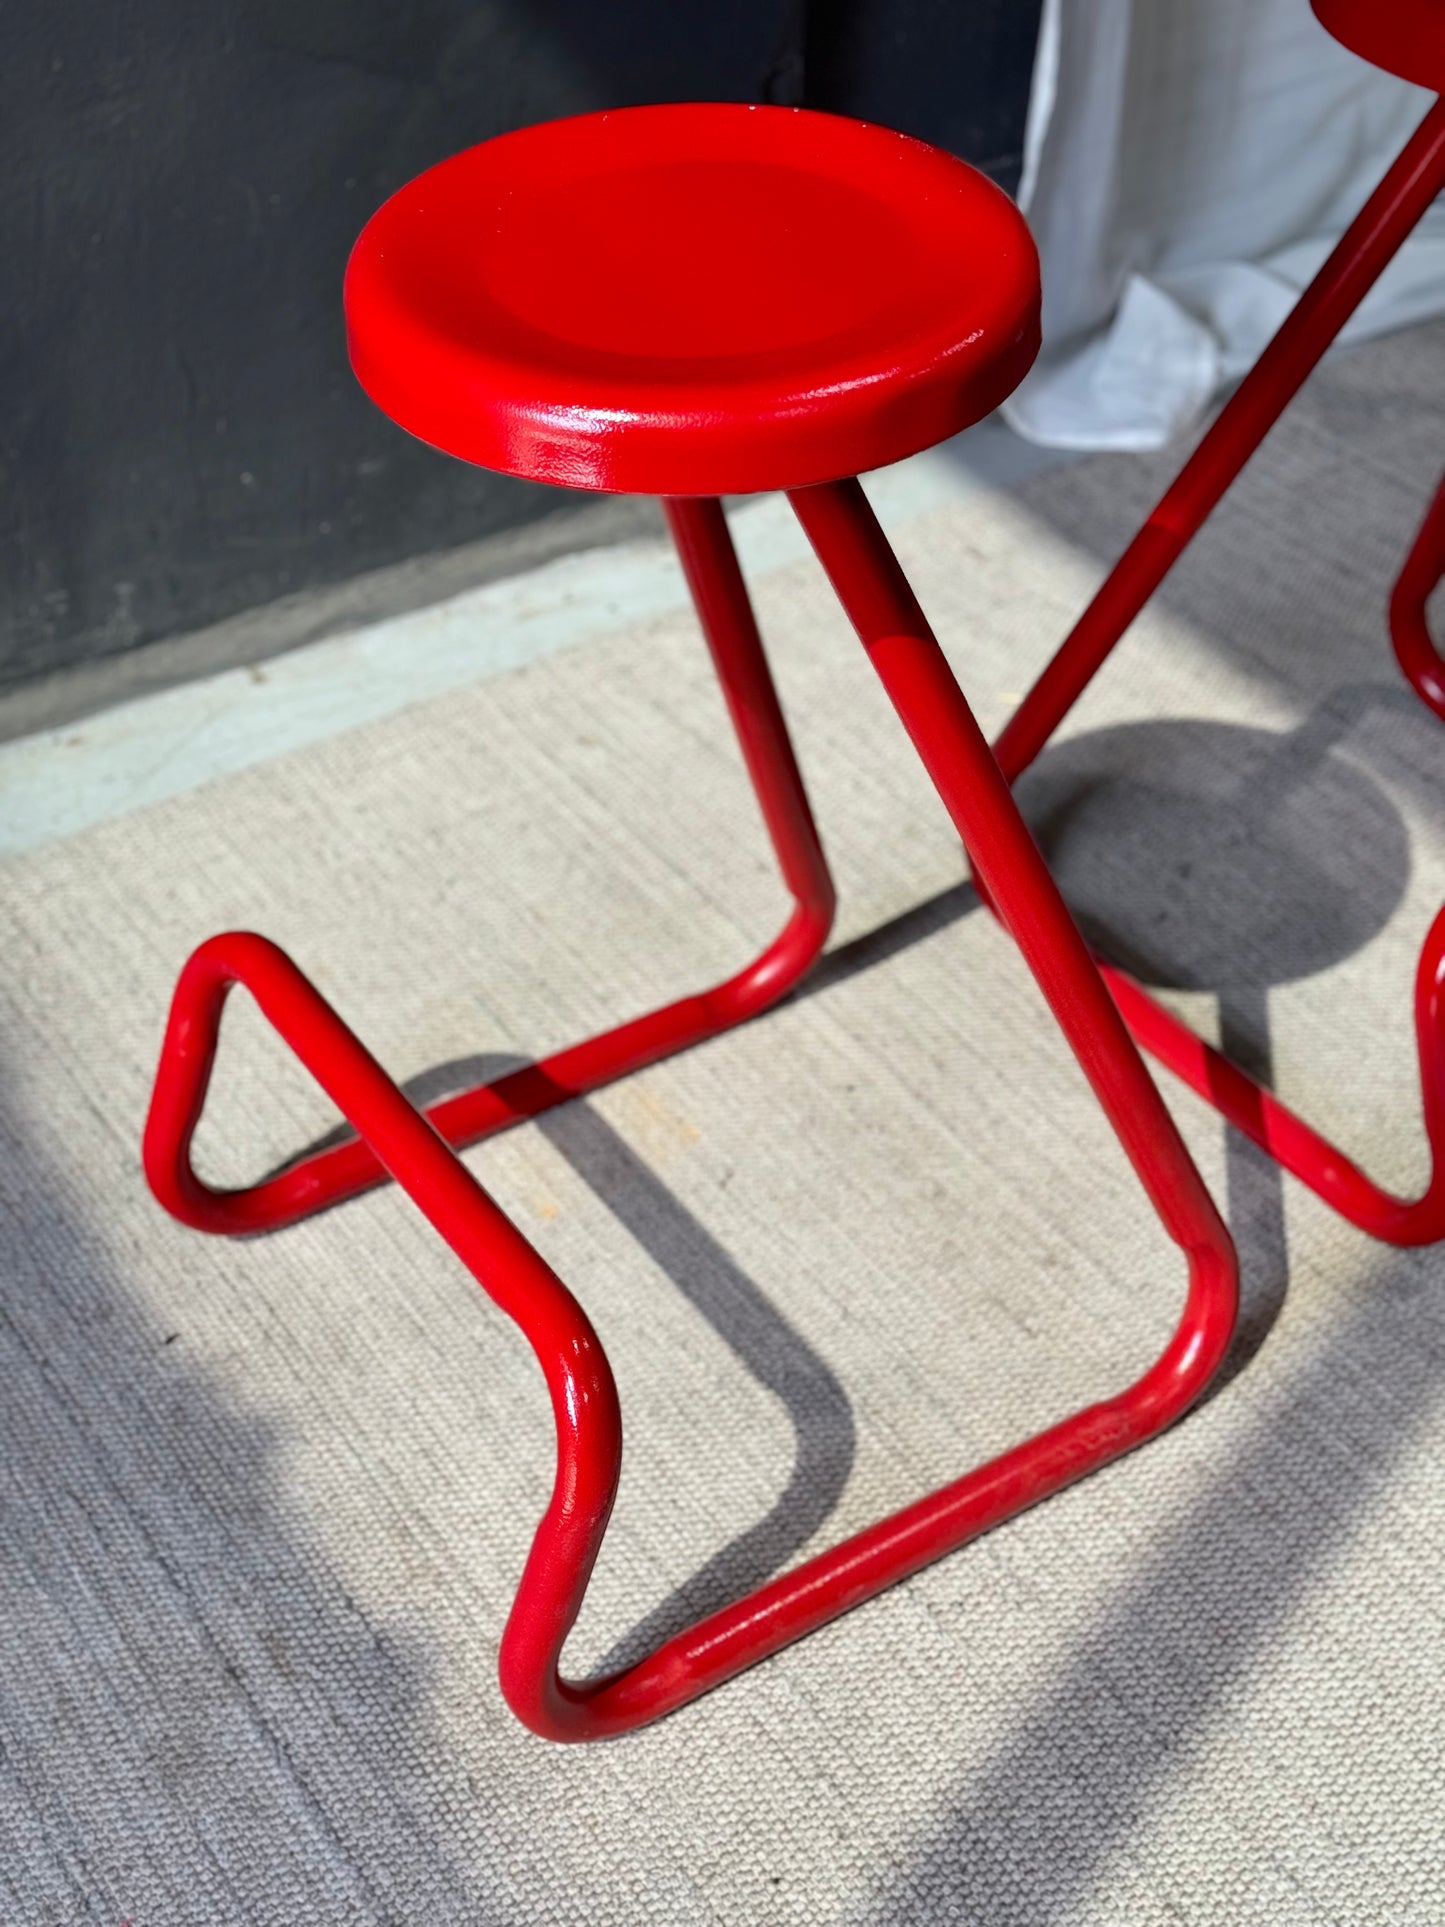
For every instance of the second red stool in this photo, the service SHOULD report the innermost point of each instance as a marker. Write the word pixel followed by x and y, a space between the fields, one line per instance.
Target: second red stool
pixel 1406 37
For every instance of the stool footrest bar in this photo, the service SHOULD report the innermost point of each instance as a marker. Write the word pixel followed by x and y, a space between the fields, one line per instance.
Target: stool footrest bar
pixel 1424 569
pixel 1287 1138
pixel 583 1393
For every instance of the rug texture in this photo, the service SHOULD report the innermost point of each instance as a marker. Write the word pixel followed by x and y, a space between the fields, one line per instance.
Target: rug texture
pixel 265 1502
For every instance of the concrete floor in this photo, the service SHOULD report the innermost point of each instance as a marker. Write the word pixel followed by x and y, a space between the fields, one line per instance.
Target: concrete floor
pixel 142 728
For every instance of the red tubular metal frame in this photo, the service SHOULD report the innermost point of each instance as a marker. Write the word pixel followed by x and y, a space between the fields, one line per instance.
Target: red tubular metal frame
pixel 1409 630
pixel 721 598
pixel 397 1140
pixel 1369 244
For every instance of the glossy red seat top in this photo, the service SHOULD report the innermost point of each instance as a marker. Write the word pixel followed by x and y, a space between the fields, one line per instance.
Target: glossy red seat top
pixel 1405 37
pixel 693 300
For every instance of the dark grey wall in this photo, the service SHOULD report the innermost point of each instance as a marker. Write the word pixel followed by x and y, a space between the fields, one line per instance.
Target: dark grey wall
pixel 951 71
pixel 180 438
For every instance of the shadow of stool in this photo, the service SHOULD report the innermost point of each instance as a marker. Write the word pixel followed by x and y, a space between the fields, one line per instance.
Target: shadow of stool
pixel 1207 856
pixel 1203 856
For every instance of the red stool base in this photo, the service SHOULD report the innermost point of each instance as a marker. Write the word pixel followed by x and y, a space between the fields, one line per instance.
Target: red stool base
pixel 397 1140
pixel 1424 569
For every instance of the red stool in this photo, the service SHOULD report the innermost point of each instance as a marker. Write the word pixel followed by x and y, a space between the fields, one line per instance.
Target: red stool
pixel 688 301
pixel 1407 37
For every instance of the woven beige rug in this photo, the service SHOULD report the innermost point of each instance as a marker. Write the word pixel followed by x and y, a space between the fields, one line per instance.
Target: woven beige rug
pixel 265 1503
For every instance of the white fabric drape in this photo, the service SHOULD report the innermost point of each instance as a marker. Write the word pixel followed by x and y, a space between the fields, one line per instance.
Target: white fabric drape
pixel 1189 164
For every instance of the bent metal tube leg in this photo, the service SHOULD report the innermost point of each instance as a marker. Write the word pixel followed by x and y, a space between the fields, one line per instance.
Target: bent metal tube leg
pixel 1368 246
pixel 1409 630
pixel 1370 243
pixel 721 598
pixel 408 1146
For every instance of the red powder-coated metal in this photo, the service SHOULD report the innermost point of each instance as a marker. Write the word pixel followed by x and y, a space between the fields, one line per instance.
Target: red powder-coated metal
pixel 399 1141
pixel 1366 249
pixel 1405 37
pixel 883 609
pixel 688 300
pixel 721 597
pixel 693 300
pixel 1370 243
pixel 1409 630
pixel 1276 1129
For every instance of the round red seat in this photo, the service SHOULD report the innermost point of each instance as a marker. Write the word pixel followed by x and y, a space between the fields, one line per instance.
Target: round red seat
pixel 693 300
pixel 1404 37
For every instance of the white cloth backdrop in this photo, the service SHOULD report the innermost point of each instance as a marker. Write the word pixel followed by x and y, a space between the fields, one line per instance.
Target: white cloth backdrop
pixel 1189 164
